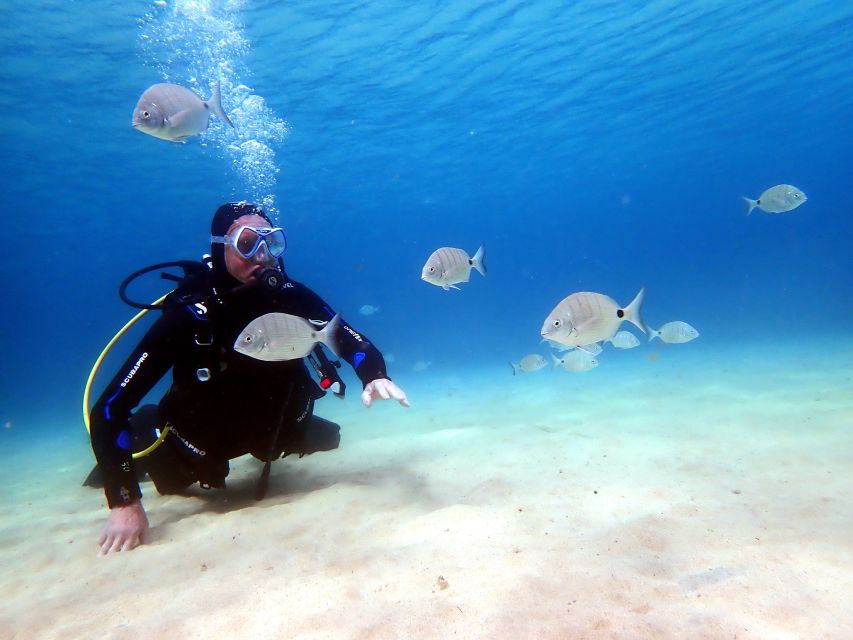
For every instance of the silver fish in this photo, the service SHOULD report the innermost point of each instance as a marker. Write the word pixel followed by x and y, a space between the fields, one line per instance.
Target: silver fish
pixel 778 199
pixel 593 348
pixel 421 365
pixel 448 266
pixel 368 310
pixel 624 340
pixel 575 360
pixel 586 317
pixel 676 332
pixel 529 364
pixel 275 337
pixel 172 112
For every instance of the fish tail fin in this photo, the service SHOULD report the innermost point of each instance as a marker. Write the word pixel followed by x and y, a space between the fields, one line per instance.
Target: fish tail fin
pixel 327 335
pixel 750 203
pixel 479 260
pixel 514 367
pixel 554 361
pixel 215 104
pixel 653 334
pixel 632 311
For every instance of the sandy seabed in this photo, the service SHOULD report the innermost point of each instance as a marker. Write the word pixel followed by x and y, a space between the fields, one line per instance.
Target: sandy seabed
pixel 694 495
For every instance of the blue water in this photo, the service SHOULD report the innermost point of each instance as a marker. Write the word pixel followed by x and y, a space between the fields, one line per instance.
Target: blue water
pixel 599 146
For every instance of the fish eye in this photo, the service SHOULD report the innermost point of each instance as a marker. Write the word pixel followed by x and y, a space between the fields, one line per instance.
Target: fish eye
pixel 557 323
pixel 145 114
pixel 432 269
pixel 248 338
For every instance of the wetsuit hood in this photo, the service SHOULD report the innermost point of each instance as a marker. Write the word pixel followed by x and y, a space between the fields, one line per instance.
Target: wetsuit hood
pixel 222 221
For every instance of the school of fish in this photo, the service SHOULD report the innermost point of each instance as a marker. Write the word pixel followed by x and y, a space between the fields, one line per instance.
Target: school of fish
pixel 576 328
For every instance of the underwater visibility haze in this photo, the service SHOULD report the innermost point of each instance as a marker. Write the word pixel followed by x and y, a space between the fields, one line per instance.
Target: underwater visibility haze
pixel 590 147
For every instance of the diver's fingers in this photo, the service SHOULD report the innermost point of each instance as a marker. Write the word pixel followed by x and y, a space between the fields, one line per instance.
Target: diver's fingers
pixel 113 543
pixel 118 543
pixel 384 389
pixel 129 543
pixel 106 542
pixel 398 394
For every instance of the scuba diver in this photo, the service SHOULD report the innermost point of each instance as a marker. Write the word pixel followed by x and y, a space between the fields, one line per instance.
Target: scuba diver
pixel 221 404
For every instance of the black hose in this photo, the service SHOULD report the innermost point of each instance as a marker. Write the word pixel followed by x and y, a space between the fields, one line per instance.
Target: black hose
pixel 188 266
pixel 263 481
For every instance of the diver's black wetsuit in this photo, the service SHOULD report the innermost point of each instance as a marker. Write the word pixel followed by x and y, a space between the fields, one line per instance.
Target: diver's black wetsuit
pixel 221 404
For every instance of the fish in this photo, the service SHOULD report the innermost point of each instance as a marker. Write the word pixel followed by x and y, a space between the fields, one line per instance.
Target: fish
pixel 778 199
pixel 172 112
pixel 575 360
pixel 593 348
pixel 585 317
pixel 368 310
pixel 529 364
pixel 448 266
pixel 275 337
pixel 624 340
pixel 421 365
pixel 676 332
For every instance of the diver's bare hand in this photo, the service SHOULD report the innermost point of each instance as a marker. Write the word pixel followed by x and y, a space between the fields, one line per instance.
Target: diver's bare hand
pixel 384 389
pixel 126 528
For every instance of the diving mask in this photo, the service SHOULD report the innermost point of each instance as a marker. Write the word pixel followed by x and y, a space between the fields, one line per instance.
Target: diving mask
pixel 247 240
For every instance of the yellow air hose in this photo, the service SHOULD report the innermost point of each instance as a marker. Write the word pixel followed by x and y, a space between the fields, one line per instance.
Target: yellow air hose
pixel 97 365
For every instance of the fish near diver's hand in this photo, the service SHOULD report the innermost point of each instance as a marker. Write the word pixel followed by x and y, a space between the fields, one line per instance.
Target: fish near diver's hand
pixel 126 528
pixel 383 389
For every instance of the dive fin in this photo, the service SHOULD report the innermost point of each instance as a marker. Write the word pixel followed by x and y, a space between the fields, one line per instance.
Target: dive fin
pixel 94 479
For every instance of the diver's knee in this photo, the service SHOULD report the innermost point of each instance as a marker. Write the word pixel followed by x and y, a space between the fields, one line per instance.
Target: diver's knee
pixel 321 435
pixel 168 469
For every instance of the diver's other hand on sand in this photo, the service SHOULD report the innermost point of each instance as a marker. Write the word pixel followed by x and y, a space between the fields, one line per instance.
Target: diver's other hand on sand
pixel 126 528
pixel 383 389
